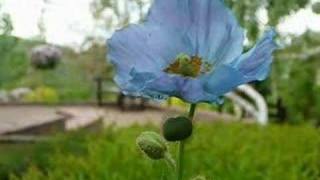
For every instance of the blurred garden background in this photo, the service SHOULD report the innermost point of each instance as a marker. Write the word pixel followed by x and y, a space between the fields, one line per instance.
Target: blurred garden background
pixel 62 116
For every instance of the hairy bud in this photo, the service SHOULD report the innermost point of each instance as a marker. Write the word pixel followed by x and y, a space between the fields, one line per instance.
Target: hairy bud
pixel 152 144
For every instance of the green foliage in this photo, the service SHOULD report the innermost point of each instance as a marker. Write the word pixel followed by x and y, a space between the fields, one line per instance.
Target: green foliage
pixel 295 85
pixel 122 11
pixel 303 45
pixel 216 151
pixel 13 62
pixel 42 95
pixel 68 79
pixel 33 174
pixel 294 79
pixel 6 26
pixel 246 12
pixel 316 7
pixel 72 79
pixel 14 158
pixel 280 8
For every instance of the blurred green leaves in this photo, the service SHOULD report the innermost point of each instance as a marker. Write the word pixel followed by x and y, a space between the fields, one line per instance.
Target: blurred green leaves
pixel 316 7
pixel 247 12
pixel 6 26
pixel 294 78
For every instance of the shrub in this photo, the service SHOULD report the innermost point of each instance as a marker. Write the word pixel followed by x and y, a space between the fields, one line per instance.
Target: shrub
pixel 42 95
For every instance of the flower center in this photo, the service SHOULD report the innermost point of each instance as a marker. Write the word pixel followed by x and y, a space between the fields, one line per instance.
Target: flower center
pixel 187 66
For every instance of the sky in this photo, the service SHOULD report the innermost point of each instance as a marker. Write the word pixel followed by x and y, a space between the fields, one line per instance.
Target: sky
pixel 68 22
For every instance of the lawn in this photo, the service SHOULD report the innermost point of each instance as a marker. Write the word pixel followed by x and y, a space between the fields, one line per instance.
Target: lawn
pixel 216 151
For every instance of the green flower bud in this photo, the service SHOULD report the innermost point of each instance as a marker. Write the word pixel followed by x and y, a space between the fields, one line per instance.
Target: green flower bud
pixel 177 129
pixel 152 144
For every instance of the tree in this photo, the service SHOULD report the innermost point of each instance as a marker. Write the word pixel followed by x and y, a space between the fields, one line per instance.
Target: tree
pixel 247 10
pixel 6 26
pixel 121 12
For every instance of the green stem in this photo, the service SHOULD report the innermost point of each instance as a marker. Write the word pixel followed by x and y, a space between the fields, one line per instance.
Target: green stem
pixel 170 161
pixel 182 144
pixel 192 111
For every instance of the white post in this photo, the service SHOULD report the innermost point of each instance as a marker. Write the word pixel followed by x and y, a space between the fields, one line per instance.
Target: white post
pixel 259 110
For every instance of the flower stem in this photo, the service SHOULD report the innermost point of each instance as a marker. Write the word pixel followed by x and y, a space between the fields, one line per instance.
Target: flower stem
pixel 170 161
pixel 182 144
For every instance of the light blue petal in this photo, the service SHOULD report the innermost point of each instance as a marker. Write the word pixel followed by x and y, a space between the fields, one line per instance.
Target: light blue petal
pixel 171 14
pixel 166 84
pixel 189 89
pixel 127 49
pixel 146 48
pixel 256 63
pixel 223 80
pixel 138 80
pixel 215 33
pixel 192 90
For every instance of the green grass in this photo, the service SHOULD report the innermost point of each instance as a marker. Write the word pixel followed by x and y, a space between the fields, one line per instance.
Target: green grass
pixel 14 158
pixel 217 151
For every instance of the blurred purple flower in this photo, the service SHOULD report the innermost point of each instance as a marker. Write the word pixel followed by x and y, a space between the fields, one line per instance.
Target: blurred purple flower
pixel 45 56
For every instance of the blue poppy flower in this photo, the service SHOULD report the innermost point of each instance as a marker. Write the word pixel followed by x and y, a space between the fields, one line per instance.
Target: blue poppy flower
pixel 190 49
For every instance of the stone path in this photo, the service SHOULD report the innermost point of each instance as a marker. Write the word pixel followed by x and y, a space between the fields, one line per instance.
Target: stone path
pixel 13 118
pixel 21 117
pixel 113 115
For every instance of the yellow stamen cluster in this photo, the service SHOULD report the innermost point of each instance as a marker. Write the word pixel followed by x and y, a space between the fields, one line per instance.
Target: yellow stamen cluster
pixel 187 66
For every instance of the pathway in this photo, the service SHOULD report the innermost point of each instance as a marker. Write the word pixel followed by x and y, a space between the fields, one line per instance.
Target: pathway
pixel 17 118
